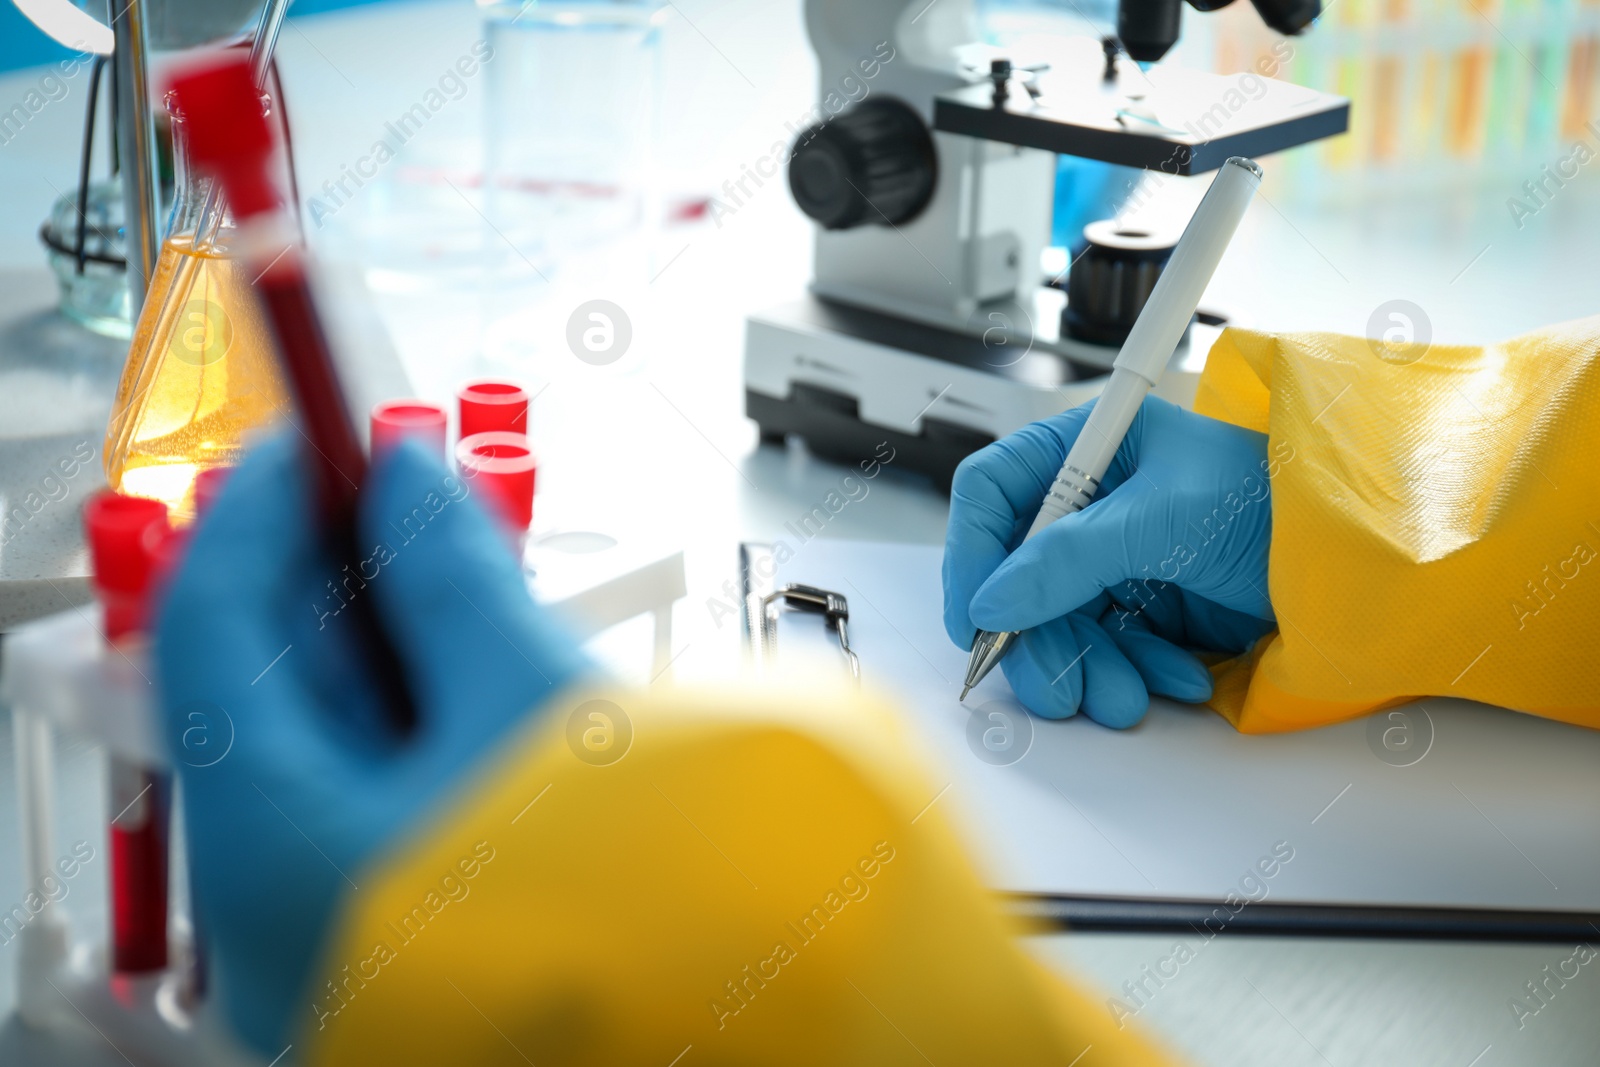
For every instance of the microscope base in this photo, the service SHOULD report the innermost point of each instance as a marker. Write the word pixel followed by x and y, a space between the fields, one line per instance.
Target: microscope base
pixel 832 430
pixel 847 379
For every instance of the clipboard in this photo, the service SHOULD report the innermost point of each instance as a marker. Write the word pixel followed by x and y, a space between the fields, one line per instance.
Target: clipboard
pixel 1440 820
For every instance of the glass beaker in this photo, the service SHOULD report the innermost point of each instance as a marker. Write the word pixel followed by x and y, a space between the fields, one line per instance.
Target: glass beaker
pixel 573 86
pixel 93 275
pixel 202 369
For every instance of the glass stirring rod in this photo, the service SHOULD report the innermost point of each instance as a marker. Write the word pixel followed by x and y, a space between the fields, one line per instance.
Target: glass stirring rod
pixel 1138 367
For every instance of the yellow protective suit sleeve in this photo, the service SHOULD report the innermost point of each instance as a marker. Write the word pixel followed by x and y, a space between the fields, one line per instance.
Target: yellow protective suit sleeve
pixel 772 887
pixel 1436 523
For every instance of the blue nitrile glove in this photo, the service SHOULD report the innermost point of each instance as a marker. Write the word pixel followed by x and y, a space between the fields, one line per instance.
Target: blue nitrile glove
pixel 252 648
pixel 1171 555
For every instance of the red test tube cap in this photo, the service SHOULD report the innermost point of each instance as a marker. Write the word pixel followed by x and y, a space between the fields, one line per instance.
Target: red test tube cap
pixel 125 536
pixel 392 421
pixel 492 406
pixel 503 466
pixel 121 541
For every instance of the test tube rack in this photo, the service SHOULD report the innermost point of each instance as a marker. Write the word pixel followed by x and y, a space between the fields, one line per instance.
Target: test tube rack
pixel 61 675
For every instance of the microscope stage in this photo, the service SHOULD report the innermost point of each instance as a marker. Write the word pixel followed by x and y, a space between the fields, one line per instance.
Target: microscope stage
pixel 1170 119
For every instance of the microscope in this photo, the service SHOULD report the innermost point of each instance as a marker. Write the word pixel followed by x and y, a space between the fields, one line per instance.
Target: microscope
pixel 928 323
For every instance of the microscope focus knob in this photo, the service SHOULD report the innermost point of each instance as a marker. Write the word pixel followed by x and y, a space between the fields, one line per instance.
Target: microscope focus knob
pixel 874 163
pixel 1111 280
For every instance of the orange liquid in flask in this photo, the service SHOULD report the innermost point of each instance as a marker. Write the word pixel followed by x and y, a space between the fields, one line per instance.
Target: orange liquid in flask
pixel 202 373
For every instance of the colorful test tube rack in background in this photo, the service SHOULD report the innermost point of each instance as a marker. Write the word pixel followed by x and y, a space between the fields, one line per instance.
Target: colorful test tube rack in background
pixel 1443 92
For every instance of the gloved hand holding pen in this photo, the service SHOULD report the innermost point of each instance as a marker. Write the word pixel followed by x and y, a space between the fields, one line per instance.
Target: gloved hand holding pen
pixel 1112 602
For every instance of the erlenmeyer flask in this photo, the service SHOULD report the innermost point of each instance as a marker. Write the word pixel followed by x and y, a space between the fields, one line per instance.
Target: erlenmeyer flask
pixel 202 370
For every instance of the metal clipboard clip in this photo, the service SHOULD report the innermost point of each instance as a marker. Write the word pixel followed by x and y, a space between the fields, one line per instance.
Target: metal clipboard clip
pixel 763 603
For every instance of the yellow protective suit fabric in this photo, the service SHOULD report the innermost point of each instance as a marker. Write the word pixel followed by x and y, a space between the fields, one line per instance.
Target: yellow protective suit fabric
pixel 1436 523
pixel 772 888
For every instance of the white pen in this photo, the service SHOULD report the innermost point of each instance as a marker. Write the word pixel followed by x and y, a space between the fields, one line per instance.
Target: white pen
pixel 1139 366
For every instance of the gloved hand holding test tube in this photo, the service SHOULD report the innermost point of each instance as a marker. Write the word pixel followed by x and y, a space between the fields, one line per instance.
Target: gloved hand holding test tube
pixel 1138 368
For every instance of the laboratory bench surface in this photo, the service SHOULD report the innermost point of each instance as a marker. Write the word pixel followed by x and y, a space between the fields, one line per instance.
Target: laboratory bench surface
pixel 658 437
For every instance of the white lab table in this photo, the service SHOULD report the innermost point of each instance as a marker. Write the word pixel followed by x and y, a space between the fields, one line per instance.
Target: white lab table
pixel 659 437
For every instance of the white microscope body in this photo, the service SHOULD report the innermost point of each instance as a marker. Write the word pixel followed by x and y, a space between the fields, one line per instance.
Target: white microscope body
pixel 927 323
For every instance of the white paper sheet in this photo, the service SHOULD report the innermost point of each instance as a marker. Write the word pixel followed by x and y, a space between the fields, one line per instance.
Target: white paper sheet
pixel 1460 804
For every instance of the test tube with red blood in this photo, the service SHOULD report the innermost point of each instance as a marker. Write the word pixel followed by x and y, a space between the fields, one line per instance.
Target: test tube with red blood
pixel 502 466
pixel 492 406
pixel 231 139
pixel 126 538
pixel 395 420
